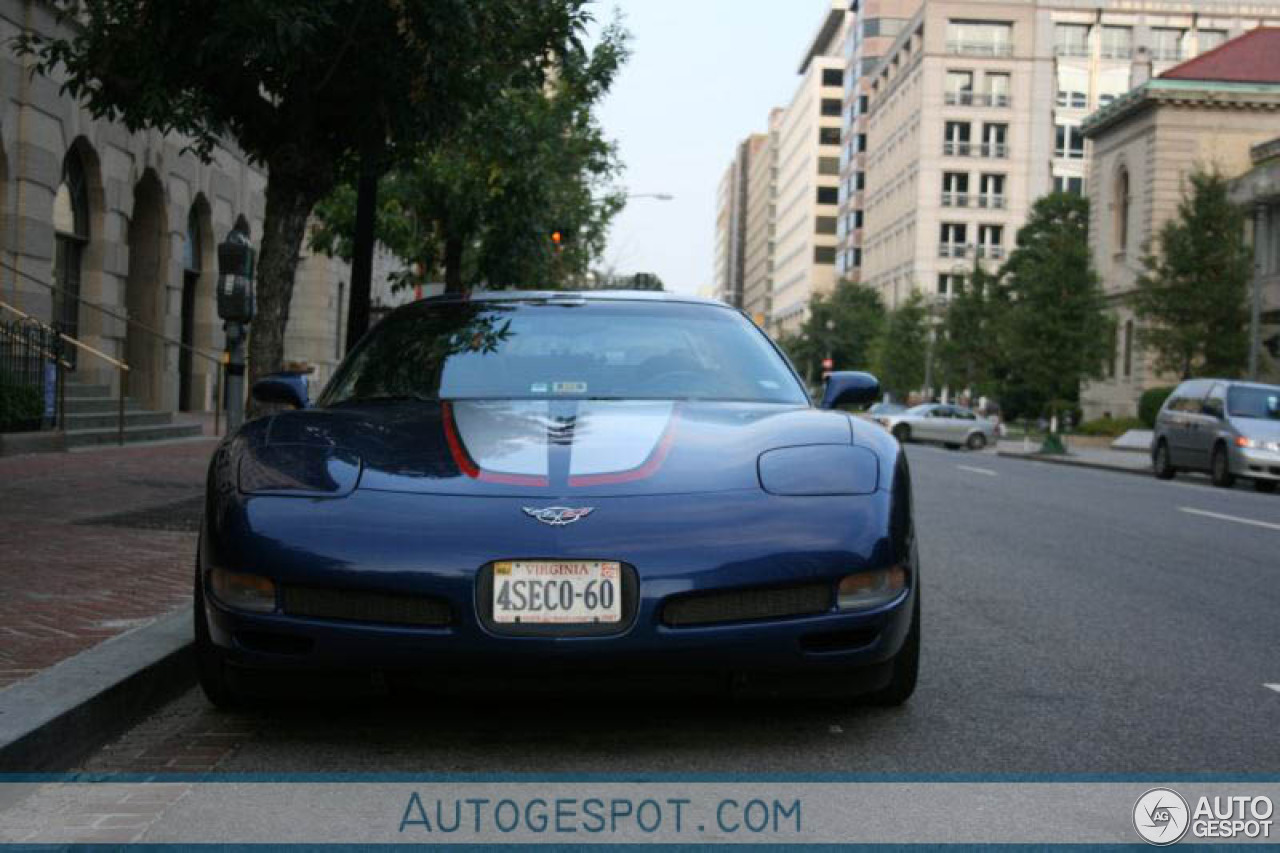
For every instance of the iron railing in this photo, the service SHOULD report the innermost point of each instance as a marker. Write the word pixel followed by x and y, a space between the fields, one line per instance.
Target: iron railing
pixel 31 356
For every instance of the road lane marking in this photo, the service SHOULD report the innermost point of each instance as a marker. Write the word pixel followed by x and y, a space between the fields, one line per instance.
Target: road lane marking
pixel 987 471
pixel 1234 518
pixel 1275 687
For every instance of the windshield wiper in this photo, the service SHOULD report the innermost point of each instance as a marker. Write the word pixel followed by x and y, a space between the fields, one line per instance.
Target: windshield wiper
pixel 387 398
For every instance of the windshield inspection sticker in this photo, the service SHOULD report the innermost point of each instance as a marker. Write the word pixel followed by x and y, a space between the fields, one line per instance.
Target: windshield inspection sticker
pixel 538 388
pixel 569 387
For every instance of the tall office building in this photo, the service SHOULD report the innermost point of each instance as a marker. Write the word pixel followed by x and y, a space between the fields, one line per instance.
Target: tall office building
pixel 975 111
pixel 873 29
pixel 808 181
pixel 762 189
pixel 731 224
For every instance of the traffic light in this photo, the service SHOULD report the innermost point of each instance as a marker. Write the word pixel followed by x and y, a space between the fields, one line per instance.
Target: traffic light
pixel 558 238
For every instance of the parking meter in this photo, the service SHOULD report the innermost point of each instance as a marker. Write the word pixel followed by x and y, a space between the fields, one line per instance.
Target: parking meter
pixel 235 278
pixel 235 306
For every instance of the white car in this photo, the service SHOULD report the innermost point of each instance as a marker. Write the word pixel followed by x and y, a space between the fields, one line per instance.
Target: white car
pixel 954 426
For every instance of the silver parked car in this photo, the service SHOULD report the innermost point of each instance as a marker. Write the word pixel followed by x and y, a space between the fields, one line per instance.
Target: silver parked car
pixel 1230 429
pixel 954 426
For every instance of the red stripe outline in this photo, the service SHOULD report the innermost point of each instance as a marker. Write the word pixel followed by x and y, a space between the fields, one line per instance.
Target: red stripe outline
pixel 646 469
pixel 468 465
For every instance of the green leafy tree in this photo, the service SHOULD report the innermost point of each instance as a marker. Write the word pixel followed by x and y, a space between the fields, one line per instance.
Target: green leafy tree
pixel 479 205
pixel 968 352
pixel 902 347
pixel 1192 299
pixel 843 326
pixel 300 86
pixel 1056 332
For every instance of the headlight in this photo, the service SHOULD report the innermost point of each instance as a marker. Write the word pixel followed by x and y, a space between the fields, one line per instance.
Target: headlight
pixel 819 469
pixel 243 591
pixel 867 590
pixel 1241 441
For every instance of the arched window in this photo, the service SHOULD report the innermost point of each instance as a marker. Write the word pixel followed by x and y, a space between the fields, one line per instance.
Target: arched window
pixel 1121 208
pixel 71 235
pixel 1128 348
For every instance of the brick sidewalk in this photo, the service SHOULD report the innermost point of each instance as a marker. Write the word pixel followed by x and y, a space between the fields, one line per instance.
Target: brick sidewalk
pixel 93 544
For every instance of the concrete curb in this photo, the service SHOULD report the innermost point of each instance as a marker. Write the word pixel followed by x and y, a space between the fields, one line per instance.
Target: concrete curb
pixel 51 720
pixel 1073 463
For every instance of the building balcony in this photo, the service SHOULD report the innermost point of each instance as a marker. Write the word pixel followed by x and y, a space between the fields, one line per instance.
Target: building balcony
pixel 975 99
pixel 955 199
pixel 993 253
pixel 953 250
pixel 1077 51
pixel 993 149
pixel 992 202
pixel 978 48
pixel 1125 53
pixel 956 149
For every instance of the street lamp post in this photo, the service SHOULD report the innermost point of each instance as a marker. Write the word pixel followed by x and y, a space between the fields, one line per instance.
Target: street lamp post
pixel 658 196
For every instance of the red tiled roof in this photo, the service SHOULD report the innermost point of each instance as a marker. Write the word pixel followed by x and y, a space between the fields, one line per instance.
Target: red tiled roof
pixel 1251 58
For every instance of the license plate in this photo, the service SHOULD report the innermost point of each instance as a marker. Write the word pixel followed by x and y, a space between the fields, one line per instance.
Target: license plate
pixel 548 592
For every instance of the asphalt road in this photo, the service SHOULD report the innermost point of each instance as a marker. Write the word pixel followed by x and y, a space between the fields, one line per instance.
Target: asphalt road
pixel 1074 621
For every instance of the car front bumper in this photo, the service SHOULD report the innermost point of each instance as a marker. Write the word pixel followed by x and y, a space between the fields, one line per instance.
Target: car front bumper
pixel 1258 464
pixel 851 650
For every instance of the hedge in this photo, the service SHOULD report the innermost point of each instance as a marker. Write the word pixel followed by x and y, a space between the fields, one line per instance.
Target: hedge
pixel 20 405
pixel 1112 427
pixel 1150 402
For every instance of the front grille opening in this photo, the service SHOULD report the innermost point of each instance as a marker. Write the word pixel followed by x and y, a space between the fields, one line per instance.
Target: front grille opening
pixel 273 644
pixel 347 605
pixel 838 641
pixel 747 605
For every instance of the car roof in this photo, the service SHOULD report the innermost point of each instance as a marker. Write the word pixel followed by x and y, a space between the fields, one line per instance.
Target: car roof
pixel 587 295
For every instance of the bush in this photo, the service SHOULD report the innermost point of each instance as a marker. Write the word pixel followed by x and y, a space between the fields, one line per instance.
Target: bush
pixel 1111 427
pixel 21 406
pixel 1149 404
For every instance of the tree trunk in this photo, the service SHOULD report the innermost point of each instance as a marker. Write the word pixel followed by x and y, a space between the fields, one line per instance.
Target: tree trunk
pixel 362 246
pixel 453 265
pixel 289 203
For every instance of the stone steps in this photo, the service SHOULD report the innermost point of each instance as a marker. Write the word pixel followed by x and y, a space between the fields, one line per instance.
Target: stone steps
pixel 91 418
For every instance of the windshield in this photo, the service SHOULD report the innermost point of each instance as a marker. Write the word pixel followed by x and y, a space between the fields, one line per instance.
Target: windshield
pixel 1246 402
pixel 920 410
pixel 584 350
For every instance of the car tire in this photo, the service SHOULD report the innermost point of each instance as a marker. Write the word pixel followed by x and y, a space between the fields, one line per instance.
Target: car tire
pixel 210 663
pixel 906 666
pixel 1220 469
pixel 1160 463
pixel 1265 486
pixel 977 441
pixel 902 432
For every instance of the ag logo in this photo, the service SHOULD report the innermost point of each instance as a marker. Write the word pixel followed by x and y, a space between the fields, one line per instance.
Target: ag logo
pixel 1161 816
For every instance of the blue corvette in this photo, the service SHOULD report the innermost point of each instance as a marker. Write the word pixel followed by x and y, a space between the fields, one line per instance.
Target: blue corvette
pixel 562 484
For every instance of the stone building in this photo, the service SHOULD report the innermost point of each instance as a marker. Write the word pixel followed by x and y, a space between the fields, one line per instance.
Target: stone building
pixel 1210 113
pixel 92 214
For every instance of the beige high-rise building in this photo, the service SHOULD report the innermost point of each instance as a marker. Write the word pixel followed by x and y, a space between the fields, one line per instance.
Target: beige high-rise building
pixel 876 25
pixel 731 224
pixel 975 112
pixel 808 179
pixel 757 284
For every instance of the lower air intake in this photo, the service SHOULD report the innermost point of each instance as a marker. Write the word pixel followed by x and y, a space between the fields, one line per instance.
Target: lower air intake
pixel 747 605
pixel 345 605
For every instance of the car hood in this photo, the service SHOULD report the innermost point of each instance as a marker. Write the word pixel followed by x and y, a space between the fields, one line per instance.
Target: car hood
pixel 1257 428
pixel 547 448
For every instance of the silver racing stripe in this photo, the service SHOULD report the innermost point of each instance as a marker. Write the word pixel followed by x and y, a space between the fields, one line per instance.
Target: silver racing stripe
pixel 505 437
pixel 612 436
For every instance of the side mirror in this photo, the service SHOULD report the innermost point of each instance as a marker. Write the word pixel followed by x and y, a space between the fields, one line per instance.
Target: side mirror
pixel 850 388
pixel 285 389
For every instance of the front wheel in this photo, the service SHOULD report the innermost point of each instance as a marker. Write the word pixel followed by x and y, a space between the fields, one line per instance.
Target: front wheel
pixel 1161 464
pixel 906 666
pixel 1220 469
pixel 977 441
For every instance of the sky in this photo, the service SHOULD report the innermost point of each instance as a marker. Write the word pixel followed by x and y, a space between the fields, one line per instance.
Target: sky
pixel 703 74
